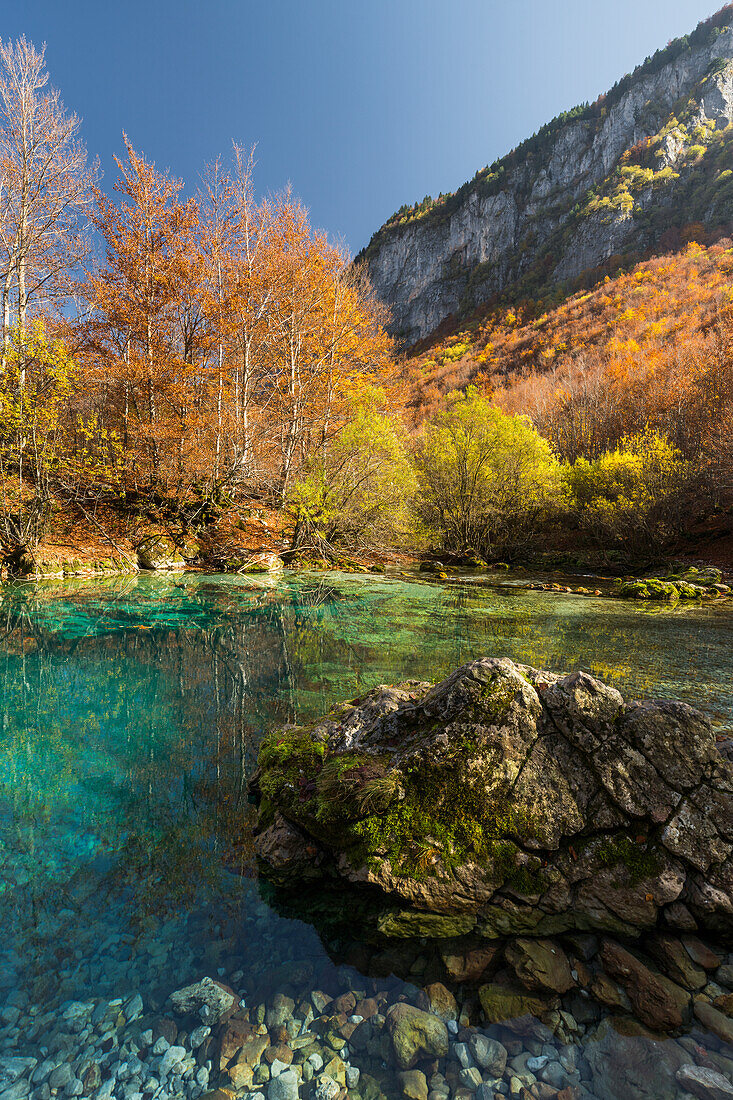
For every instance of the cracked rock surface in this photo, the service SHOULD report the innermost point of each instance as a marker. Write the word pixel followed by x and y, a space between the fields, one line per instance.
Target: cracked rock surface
pixel 512 800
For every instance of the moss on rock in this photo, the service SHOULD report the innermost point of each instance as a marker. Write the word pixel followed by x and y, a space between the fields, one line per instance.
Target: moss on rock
pixel 686 584
pixel 531 802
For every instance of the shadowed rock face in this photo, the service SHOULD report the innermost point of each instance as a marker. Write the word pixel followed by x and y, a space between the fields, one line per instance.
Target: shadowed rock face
pixel 504 801
pixel 433 267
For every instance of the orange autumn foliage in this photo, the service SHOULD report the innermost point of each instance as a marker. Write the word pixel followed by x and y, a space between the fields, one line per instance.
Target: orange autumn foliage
pixel 222 336
pixel 653 346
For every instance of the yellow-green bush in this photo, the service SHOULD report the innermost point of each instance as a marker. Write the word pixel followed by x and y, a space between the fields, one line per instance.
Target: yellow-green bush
pixel 487 480
pixel 629 496
pixel 359 491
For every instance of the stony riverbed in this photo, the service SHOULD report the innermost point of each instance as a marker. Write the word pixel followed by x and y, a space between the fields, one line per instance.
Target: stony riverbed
pixel 329 1031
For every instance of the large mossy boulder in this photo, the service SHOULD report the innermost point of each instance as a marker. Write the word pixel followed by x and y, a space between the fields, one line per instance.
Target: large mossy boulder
pixel 160 553
pixel 518 801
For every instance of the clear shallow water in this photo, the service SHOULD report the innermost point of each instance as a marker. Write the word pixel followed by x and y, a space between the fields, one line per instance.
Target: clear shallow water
pixel 132 710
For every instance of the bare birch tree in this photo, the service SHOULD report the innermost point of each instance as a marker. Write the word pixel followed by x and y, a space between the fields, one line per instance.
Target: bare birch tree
pixel 45 188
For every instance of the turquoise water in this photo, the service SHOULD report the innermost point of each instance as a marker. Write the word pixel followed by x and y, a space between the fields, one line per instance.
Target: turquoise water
pixel 131 714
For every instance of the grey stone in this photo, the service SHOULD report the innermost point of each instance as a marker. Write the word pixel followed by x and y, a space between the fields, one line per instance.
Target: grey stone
pixel 14 1067
pixel 42 1070
pixel 133 1008
pixel 198 1035
pixel 280 1011
pixel 171 1059
pixel 325 1088
pixel 462 1055
pixel 284 1087
pixel 207 998
pixel 17 1091
pixel 78 1011
pixel 724 974
pixel 554 1075
pixel 488 1053
pixel 470 1078
pixel 60 1077
pixel 705 1083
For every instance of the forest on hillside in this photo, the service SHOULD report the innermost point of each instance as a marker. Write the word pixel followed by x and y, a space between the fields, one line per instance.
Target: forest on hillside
pixel 181 353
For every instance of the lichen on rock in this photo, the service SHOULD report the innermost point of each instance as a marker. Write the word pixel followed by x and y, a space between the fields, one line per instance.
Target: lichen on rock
pixel 524 802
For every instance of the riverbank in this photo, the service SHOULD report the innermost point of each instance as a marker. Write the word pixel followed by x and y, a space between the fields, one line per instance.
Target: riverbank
pixel 104 539
pixel 107 540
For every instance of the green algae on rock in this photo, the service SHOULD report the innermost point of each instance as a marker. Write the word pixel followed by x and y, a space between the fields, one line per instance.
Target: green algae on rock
pixel 520 801
pixel 689 584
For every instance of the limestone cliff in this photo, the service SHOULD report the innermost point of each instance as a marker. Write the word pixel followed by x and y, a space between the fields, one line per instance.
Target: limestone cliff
pixel 604 179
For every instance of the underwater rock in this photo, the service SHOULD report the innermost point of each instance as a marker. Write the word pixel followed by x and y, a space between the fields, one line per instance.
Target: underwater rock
pixel 211 1000
pixel 651 1000
pixel 522 802
pixel 416 1034
pixel 705 1083
pixel 629 1061
pixel 518 1011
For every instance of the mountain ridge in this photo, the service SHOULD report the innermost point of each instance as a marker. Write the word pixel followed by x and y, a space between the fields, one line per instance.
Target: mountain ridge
pixel 601 180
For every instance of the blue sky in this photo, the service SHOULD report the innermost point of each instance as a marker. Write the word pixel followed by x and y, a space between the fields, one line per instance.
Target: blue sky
pixel 361 104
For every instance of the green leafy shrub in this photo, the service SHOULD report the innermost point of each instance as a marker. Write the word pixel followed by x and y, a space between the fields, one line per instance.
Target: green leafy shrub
pixel 487 481
pixel 358 492
pixel 629 497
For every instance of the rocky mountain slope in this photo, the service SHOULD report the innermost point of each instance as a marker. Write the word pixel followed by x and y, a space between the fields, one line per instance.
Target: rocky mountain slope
pixel 614 177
